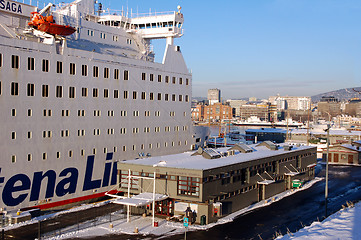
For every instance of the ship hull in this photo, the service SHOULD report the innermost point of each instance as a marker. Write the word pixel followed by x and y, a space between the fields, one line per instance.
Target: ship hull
pixel 74 110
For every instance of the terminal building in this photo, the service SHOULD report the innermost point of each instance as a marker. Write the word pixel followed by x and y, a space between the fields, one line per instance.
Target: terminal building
pixel 215 182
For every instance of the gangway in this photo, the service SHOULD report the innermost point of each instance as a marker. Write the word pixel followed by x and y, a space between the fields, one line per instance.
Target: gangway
pixel 141 199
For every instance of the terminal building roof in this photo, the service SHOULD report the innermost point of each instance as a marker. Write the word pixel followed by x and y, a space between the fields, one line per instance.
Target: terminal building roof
pixel 225 156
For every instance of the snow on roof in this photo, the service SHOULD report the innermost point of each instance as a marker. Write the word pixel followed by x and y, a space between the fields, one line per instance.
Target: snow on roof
pixel 141 199
pixel 267 130
pixel 351 147
pixel 332 132
pixel 198 162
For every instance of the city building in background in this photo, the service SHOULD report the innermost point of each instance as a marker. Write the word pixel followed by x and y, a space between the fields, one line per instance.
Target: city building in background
pixel 217 112
pixel 214 96
pixel 236 106
pixel 329 107
pixel 291 102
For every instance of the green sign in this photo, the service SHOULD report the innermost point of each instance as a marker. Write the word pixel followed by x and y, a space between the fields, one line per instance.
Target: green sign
pixel 296 183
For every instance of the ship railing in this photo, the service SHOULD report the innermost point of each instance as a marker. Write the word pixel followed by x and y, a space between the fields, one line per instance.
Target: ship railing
pixel 136 15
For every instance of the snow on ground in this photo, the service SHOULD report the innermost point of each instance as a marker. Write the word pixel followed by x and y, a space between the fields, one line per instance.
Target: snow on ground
pixel 344 224
pixel 144 224
pixel 51 215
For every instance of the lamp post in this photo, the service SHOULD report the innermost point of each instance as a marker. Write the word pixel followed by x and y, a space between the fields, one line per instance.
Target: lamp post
pixel 327 154
pixel 328 148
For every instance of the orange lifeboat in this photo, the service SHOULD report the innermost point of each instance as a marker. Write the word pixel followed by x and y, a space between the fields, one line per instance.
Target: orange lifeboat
pixel 48 25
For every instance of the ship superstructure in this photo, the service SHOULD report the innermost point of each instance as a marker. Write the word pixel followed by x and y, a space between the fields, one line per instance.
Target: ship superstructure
pixel 72 107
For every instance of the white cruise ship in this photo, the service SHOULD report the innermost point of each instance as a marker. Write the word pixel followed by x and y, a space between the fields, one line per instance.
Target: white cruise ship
pixel 73 106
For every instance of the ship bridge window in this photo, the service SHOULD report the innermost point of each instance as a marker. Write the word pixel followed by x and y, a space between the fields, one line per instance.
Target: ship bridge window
pixel 95 71
pixel 71 92
pixel 142 26
pixel 15 61
pixel 95 92
pixel 116 74
pixel 154 25
pixel 45 90
pixel 106 93
pixel 84 92
pixel 14 89
pixel 116 93
pixel 148 25
pixel 170 24
pixel 59 67
pixel 165 24
pixel 126 75
pixel 84 70
pixel 72 68
pixel 45 65
pixel 31 64
pixel 106 72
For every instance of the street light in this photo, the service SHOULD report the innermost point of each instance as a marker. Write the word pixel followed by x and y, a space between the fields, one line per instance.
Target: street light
pixel 328 149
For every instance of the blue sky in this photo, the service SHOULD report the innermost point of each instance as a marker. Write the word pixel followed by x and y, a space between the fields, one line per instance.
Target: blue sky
pixel 265 47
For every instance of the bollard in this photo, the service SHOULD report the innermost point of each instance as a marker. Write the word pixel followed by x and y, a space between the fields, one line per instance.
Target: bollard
pixel 136 230
pixel 111 225
pixel 144 215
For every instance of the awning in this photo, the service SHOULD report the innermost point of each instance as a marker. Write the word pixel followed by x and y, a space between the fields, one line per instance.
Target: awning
pixel 141 199
pixel 312 165
pixel 292 174
pixel 266 182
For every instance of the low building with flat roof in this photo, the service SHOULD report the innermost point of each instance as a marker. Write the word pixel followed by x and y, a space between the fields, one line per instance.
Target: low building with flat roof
pixel 217 182
pixel 345 154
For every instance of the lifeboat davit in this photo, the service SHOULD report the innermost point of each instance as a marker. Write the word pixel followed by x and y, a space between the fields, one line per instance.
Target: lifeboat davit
pixel 48 25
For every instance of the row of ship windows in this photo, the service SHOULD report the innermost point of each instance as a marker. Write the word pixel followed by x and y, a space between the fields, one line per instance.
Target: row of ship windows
pixel 104 36
pixel 59 93
pixel 133 148
pixel 96 113
pixel 15 63
pixel 96 132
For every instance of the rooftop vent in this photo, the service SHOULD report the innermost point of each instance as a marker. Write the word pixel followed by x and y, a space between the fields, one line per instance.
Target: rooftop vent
pixel 243 148
pixel 270 145
pixel 211 153
pixel 208 153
